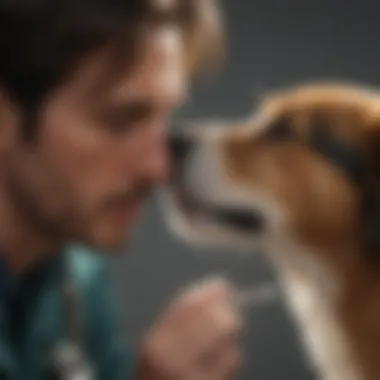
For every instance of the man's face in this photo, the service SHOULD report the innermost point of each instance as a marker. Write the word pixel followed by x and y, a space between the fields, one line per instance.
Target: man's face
pixel 97 156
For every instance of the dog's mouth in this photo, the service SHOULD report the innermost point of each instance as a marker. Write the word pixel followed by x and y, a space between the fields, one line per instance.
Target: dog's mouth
pixel 239 219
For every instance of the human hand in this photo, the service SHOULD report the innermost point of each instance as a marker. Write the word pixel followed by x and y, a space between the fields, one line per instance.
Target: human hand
pixel 196 338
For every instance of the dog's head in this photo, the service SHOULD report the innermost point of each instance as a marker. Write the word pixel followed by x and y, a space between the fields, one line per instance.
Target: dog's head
pixel 304 165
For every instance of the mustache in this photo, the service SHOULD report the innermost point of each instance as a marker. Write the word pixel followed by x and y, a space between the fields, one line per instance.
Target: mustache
pixel 139 191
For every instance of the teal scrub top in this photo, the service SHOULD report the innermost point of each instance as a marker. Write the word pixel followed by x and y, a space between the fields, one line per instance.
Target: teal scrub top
pixel 31 318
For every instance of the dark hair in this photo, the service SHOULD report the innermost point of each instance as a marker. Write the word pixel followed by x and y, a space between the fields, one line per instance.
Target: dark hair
pixel 42 41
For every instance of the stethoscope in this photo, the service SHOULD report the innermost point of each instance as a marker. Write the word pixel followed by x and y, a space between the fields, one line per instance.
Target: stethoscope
pixel 67 359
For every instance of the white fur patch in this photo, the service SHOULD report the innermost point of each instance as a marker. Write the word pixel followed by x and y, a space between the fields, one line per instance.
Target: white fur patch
pixel 311 292
pixel 205 180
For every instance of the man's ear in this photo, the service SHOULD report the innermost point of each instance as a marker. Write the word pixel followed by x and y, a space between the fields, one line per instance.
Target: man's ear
pixel 9 122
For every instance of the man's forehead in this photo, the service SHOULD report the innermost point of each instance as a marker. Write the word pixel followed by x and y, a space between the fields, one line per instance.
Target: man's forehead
pixel 159 73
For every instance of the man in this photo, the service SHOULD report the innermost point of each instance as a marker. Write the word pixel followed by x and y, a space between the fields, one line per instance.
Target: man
pixel 87 90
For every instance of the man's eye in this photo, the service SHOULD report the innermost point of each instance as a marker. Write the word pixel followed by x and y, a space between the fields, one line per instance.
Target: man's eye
pixel 126 118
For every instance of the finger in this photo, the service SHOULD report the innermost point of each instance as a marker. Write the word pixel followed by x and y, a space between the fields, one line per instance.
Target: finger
pixel 196 342
pixel 226 365
pixel 164 356
pixel 209 290
pixel 197 336
pixel 219 328
pixel 196 300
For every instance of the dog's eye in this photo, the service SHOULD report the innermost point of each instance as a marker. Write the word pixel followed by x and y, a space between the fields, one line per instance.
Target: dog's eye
pixel 279 131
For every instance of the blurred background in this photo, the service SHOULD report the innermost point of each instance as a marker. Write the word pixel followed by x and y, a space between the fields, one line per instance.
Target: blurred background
pixel 272 44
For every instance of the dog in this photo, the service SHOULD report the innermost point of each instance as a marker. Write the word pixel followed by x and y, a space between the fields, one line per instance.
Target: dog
pixel 298 178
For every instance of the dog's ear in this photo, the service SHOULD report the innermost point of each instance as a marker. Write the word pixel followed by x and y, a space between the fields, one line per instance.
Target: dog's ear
pixel 372 145
pixel 371 191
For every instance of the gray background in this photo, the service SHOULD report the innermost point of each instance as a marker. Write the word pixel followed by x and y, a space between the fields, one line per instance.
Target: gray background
pixel 273 43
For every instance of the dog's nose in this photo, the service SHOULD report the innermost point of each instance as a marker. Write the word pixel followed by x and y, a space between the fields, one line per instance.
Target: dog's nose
pixel 180 145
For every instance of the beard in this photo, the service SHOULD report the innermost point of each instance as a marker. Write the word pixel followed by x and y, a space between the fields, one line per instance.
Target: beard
pixel 101 232
pixel 48 206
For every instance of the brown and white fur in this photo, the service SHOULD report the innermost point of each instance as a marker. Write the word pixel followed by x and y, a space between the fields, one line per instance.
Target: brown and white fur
pixel 313 228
